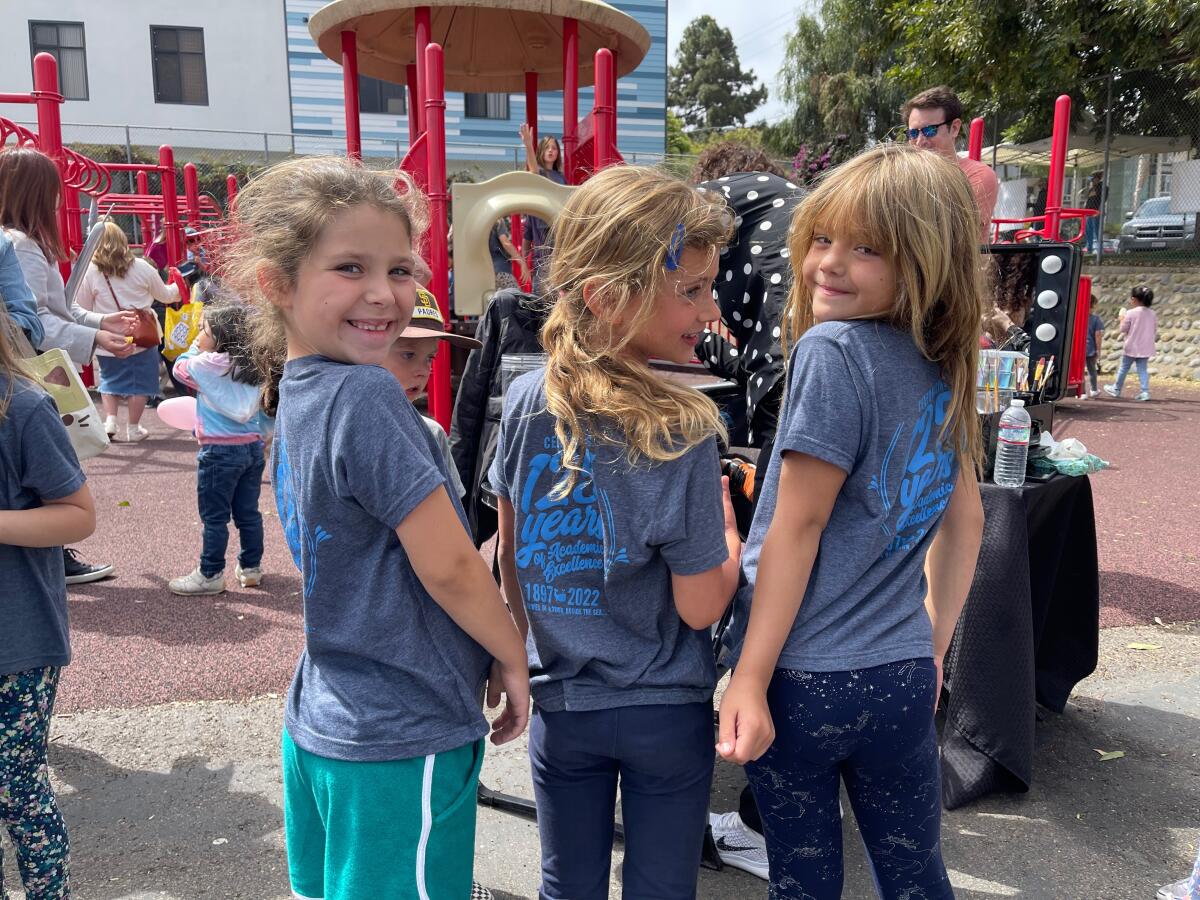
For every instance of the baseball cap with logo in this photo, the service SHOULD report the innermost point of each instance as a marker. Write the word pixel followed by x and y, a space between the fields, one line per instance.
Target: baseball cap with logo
pixel 427 322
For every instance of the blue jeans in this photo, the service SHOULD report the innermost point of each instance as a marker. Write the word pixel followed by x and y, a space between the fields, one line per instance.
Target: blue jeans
pixel 872 728
pixel 1143 370
pixel 228 483
pixel 1091 230
pixel 663 758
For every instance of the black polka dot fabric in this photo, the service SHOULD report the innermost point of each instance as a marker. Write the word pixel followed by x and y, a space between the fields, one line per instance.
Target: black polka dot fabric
pixel 752 285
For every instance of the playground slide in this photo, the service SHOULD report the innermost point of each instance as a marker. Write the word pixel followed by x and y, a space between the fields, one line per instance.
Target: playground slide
pixel 476 209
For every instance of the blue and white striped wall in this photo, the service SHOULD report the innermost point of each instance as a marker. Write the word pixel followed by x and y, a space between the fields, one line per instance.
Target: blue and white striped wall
pixel 318 111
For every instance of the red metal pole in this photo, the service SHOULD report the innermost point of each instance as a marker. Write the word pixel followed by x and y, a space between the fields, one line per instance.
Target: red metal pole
pixel 616 105
pixel 603 111
pixel 414 104
pixel 422 30
pixel 191 193
pixel 143 189
pixel 48 100
pixel 975 143
pixel 350 94
pixel 531 104
pixel 171 226
pixel 531 119
pixel 231 189
pixel 1058 163
pixel 570 94
pixel 440 402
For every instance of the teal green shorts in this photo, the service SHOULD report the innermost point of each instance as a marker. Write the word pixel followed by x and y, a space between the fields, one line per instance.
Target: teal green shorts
pixel 402 828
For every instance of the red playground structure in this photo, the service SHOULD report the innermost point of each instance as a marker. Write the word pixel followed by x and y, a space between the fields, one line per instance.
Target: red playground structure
pixel 1051 223
pixel 499 45
pixel 85 177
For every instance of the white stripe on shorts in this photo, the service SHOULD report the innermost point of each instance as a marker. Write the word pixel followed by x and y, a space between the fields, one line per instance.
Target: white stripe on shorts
pixel 426 825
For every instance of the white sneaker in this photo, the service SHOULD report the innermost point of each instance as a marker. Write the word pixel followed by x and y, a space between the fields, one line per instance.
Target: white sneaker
pixel 136 433
pixel 737 845
pixel 1143 396
pixel 193 583
pixel 110 426
pixel 1094 394
pixel 248 577
pixel 1176 891
pixel 1111 391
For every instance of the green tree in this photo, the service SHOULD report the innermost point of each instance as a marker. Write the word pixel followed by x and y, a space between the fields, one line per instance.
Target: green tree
pixel 678 143
pixel 1017 58
pixel 707 87
pixel 848 70
pixel 835 79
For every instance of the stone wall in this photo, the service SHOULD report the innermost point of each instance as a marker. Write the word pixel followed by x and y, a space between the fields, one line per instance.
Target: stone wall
pixel 1177 302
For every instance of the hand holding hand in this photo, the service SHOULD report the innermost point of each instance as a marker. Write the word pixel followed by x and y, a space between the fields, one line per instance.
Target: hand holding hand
pixel 746 730
pixel 121 323
pixel 514 684
pixel 115 344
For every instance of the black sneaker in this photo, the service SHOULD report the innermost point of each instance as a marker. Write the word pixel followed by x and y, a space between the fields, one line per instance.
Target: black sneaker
pixel 479 892
pixel 79 572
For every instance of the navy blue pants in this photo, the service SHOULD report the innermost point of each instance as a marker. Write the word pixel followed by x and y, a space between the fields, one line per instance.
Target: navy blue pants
pixel 228 482
pixel 663 758
pixel 872 728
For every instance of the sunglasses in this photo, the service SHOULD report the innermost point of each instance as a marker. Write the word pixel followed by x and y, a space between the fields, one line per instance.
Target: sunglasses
pixel 925 130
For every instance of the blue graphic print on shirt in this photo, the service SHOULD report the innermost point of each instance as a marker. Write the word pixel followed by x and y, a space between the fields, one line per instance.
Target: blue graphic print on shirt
pixel 295 530
pixel 927 477
pixel 563 535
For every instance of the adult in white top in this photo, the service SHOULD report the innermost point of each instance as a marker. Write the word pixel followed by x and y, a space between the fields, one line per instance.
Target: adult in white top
pixel 115 281
pixel 29 198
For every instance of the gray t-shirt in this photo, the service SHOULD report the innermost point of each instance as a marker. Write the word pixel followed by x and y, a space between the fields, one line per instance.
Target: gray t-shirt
pixel 385 673
pixel 37 463
pixel 443 447
pixel 595 567
pixel 861 396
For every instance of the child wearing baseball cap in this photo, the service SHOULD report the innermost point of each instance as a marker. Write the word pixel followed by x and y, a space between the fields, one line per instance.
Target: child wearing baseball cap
pixel 411 362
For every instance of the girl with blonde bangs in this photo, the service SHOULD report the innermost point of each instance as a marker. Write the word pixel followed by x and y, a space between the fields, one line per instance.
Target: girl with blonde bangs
pixel 867 528
pixel 616 539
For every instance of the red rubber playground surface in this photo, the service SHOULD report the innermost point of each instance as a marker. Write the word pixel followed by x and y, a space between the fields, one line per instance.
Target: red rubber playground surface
pixel 136 644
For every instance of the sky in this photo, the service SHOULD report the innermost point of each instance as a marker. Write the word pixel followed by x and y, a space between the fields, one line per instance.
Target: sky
pixel 760 39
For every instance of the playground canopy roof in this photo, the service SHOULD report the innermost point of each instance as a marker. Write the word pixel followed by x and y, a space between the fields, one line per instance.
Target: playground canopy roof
pixel 489 44
pixel 1084 150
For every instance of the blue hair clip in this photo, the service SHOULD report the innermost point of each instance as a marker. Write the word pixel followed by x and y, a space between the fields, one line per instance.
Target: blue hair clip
pixel 675 248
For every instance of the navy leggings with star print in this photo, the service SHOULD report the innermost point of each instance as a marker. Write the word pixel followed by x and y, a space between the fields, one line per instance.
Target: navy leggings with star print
pixel 872 728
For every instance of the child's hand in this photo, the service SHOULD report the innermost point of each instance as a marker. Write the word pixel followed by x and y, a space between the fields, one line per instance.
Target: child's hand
pixel 515 686
pixel 746 730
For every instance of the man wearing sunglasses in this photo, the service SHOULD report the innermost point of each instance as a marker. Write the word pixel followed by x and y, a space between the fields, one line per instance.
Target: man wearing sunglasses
pixel 933 120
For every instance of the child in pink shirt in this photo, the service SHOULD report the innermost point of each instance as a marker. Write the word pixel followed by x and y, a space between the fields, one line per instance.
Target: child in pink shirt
pixel 1139 324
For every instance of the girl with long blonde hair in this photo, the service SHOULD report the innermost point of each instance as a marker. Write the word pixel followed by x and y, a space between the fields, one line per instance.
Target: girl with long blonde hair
pixel 867 530
pixel 617 544
pixel 118 281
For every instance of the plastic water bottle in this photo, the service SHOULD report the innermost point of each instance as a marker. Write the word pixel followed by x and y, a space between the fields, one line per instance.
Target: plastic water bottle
pixel 1012 446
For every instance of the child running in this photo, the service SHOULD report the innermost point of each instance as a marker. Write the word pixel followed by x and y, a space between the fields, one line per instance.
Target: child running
pixel 44 503
pixel 230 427
pixel 865 537
pixel 615 538
pixel 411 361
pixel 383 726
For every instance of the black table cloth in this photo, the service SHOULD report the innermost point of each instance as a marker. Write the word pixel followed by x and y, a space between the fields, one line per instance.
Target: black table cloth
pixel 1029 632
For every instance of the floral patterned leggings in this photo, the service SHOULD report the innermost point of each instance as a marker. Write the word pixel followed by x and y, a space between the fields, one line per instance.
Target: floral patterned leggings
pixel 27 806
